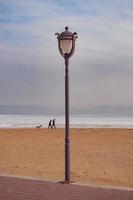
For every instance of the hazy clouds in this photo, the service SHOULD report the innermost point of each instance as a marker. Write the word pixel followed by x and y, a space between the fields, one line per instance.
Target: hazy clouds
pixel 32 71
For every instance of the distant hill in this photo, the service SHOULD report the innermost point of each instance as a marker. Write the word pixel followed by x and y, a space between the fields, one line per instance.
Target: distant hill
pixel 36 110
pixel 123 110
pixel 21 110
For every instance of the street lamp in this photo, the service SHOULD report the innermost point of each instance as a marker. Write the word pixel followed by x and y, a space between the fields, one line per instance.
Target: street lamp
pixel 66 46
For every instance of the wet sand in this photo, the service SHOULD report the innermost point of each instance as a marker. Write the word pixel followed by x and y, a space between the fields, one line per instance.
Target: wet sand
pixel 98 156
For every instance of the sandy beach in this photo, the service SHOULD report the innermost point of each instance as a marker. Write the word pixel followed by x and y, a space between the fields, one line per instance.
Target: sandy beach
pixel 98 156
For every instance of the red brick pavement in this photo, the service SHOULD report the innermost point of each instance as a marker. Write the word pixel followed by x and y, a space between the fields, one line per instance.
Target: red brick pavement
pixel 12 188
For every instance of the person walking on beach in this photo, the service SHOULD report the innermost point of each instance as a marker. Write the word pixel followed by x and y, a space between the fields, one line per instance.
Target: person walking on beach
pixel 50 124
pixel 53 124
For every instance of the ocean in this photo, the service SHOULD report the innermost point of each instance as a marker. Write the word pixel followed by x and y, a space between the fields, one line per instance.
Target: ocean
pixel 76 121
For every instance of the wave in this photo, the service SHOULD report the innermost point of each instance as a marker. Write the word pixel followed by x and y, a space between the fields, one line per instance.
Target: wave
pixel 76 121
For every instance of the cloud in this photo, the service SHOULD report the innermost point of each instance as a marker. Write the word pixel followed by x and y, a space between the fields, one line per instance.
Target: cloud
pixel 32 71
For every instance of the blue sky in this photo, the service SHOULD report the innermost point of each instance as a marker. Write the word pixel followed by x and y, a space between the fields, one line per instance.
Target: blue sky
pixel 31 69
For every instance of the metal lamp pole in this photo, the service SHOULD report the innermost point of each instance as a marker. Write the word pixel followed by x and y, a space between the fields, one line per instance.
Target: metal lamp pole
pixel 67 134
pixel 66 45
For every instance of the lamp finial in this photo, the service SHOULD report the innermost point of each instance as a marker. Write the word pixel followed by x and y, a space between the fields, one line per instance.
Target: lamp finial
pixel 66 28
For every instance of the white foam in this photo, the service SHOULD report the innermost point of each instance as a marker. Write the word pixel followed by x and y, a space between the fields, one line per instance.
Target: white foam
pixel 76 121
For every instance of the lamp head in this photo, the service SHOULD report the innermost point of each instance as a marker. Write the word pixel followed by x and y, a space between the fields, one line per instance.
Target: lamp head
pixel 66 42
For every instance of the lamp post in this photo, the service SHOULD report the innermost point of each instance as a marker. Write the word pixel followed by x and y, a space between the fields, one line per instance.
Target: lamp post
pixel 66 46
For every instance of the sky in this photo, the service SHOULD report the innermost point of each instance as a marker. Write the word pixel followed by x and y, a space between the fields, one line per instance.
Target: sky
pixel 32 69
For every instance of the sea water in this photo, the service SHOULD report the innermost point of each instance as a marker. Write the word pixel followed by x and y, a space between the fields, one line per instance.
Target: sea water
pixel 76 121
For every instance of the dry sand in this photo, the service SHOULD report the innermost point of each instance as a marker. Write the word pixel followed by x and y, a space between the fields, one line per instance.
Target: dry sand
pixel 99 156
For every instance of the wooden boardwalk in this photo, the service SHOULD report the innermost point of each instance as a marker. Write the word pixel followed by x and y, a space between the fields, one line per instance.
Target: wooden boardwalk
pixel 12 188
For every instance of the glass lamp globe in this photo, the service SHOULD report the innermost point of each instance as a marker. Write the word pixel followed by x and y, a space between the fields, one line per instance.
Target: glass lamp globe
pixel 66 45
pixel 66 41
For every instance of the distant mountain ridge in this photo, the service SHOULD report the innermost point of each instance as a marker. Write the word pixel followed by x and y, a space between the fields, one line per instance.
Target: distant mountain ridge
pixel 38 110
pixel 125 110
pixel 21 110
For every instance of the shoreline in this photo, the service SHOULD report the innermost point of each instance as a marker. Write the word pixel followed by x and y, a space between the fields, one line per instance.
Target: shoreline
pixel 63 128
pixel 98 155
